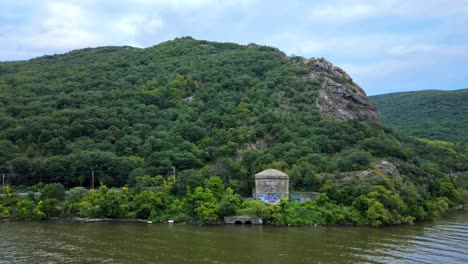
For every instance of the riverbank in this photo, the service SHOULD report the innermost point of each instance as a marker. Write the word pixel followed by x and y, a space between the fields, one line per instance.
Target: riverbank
pixel 380 206
pixel 144 221
pixel 263 221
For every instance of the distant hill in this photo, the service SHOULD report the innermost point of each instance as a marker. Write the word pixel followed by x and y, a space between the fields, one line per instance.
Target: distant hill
pixel 441 115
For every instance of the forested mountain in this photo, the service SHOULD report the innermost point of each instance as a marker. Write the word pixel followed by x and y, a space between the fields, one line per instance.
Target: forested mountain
pixel 183 103
pixel 205 109
pixel 433 114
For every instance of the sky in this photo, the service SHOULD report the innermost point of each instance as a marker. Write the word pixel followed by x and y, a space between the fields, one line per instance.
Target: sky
pixel 385 45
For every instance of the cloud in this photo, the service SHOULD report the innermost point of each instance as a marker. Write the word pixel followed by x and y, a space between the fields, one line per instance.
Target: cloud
pixel 63 26
pixel 133 27
pixel 191 4
pixel 353 46
pixel 353 10
pixel 339 14
pixel 405 50
pixel 412 68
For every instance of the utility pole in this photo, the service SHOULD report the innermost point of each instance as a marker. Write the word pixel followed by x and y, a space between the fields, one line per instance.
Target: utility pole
pixel 92 180
pixel 173 172
pixel 3 182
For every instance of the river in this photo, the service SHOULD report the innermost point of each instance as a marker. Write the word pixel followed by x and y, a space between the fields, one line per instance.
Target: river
pixel 444 240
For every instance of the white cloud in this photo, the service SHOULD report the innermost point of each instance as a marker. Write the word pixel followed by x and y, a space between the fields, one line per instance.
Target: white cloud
pixel 135 26
pixel 404 50
pixel 61 26
pixel 176 4
pixel 418 67
pixel 362 46
pixel 192 4
pixel 339 14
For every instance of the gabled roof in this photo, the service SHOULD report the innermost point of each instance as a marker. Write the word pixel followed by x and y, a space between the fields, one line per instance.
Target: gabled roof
pixel 272 172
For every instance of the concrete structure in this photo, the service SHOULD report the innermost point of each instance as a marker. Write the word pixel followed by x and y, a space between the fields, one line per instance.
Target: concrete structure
pixel 238 220
pixel 303 196
pixel 271 185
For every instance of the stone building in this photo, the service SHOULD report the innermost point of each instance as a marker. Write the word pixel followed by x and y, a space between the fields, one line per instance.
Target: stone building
pixel 271 185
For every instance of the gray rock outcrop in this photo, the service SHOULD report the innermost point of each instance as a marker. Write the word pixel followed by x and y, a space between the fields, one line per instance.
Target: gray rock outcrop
pixel 339 97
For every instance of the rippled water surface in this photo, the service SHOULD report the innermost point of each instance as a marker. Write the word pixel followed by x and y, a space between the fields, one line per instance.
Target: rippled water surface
pixel 442 241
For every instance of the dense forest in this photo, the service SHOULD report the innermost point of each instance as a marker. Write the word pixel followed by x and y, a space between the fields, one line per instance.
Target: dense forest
pixel 216 114
pixel 437 115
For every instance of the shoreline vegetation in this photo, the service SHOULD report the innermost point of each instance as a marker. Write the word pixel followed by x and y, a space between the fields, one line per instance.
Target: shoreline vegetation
pixel 144 221
pixel 208 204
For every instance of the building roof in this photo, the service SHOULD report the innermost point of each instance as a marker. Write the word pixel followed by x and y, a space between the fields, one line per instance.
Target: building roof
pixel 271 173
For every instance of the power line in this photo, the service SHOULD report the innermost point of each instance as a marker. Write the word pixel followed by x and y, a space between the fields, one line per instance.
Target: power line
pixel 62 173
pixel 68 179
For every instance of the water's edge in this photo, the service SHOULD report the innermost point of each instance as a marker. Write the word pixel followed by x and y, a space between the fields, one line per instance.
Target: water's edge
pixel 124 220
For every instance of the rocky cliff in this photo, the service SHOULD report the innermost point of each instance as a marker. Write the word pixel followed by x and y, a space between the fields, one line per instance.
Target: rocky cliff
pixel 339 97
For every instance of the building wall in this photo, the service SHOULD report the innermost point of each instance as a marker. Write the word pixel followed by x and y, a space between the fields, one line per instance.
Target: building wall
pixel 271 189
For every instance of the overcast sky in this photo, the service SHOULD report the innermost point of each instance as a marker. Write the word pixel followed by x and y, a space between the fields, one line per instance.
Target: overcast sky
pixel 385 45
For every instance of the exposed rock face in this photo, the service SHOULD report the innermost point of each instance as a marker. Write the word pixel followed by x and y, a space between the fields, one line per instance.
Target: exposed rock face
pixel 339 97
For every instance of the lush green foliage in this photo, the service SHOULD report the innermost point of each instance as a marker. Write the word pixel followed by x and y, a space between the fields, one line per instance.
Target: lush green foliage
pixel 440 115
pixel 183 103
pixel 206 109
pixel 208 203
pixel 377 205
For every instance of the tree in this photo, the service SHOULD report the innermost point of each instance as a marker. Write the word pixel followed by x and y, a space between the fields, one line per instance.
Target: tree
pixel 230 203
pixel 144 203
pixel 203 205
pixel 352 160
pixel 53 191
pixel 377 214
pixel 448 189
pixel 216 186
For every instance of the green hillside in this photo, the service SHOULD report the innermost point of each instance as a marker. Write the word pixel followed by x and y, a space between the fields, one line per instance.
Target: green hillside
pixel 183 103
pixel 441 115
pixel 132 116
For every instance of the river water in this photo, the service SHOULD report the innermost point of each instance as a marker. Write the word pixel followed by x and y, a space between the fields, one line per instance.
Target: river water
pixel 442 241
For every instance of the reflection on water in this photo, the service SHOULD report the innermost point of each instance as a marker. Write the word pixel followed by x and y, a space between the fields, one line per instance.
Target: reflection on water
pixel 441 241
